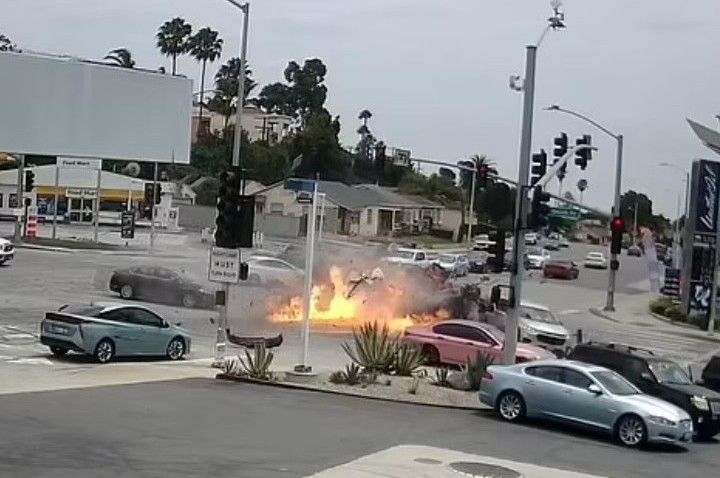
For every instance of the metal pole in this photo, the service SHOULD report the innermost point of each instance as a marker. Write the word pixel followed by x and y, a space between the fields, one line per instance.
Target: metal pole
pixel 322 218
pixel 241 88
pixel 635 215
pixel 307 297
pixel 220 345
pixel 520 200
pixel 472 209
pixel 18 223
pixel 610 303
pixel 152 210
pixel 676 236
pixel 96 207
pixel 57 198
pixel 129 201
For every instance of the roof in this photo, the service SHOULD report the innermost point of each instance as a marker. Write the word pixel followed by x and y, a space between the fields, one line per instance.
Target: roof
pixel 75 178
pixel 588 367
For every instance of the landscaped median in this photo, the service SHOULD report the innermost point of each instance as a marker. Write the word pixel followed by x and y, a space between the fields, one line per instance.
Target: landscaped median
pixel 668 309
pixel 381 367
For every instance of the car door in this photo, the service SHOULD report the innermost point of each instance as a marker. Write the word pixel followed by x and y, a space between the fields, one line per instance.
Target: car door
pixel 154 335
pixel 126 335
pixel 579 404
pixel 542 392
pixel 453 344
pixel 145 281
pixel 166 285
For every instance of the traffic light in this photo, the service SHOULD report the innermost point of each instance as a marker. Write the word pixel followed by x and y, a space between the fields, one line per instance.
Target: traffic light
pixel 29 181
pixel 228 214
pixel 583 156
pixel 539 166
pixel 540 209
pixel 151 198
pixel 483 173
pixel 617 229
pixel 497 250
pixel 561 146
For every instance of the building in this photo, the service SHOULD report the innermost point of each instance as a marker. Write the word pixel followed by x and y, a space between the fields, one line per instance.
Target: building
pixel 260 126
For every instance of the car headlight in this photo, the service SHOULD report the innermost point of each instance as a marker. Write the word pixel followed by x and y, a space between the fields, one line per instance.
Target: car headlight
pixel 662 421
pixel 700 403
pixel 527 329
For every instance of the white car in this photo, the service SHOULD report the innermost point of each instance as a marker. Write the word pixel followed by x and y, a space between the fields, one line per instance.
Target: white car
pixel 595 260
pixel 539 326
pixel 457 264
pixel 410 257
pixel 273 271
pixel 531 238
pixel 7 251
pixel 535 258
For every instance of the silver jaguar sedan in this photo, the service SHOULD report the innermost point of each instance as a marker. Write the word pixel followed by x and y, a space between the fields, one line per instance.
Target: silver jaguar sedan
pixel 584 395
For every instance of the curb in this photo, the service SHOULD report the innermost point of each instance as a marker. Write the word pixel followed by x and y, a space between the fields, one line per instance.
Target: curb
pixel 603 315
pixel 673 322
pixel 300 386
pixel 47 248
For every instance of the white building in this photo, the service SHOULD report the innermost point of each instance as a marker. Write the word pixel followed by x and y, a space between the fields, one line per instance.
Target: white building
pixel 260 126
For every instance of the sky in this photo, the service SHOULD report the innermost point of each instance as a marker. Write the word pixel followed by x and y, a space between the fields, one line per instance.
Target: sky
pixel 435 74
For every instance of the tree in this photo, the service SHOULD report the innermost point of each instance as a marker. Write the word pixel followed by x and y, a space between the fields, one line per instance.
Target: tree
pixel 569 196
pixel 304 94
pixel 6 44
pixel 120 57
pixel 448 174
pixel 204 46
pixel 172 39
pixel 226 88
pixel 477 162
pixel 365 115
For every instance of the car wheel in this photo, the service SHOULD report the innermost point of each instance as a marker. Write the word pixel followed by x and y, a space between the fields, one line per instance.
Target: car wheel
pixel 631 431
pixel 511 406
pixel 127 292
pixel 189 301
pixel 58 351
pixel 431 354
pixel 104 351
pixel 176 349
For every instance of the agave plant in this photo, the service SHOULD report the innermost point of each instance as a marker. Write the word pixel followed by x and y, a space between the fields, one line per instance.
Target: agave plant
pixel 257 366
pixel 441 377
pixel 475 369
pixel 374 348
pixel 408 357
pixel 352 375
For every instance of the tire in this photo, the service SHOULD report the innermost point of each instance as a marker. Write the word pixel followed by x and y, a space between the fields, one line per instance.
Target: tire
pixel 511 406
pixel 127 292
pixel 104 351
pixel 431 354
pixel 58 351
pixel 631 431
pixel 175 349
pixel 189 301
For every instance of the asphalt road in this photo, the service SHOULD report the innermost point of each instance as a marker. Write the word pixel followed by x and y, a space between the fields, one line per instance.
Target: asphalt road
pixel 207 428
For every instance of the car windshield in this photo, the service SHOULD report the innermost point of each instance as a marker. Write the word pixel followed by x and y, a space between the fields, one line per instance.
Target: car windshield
pixel 595 255
pixel 534 251
pixel 615 383
pixel 540 315
pixel 669 372
pixel 403 254
pixel 447 258
pixel 81 309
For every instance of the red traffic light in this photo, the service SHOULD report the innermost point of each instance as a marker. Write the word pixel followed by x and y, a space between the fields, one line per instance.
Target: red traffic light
pixel 483 171
pixel 617 224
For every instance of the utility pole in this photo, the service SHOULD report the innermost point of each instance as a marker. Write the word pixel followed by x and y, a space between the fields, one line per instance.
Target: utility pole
pixel 20 189
pixel 472 208
pixel 612 276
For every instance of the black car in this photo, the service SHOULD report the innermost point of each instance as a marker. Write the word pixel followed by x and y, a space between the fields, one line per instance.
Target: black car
pixel 659 377
pixel 477 265
pixel 159 284
pixel 711 374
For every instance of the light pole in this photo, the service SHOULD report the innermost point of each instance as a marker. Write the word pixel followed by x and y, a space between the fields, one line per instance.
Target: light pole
pixel 610 301
pixel 555 22
pixel 676 239
pixel 245 8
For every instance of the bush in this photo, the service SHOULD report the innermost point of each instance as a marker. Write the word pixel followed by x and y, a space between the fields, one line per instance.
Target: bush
pixel 374 348
pixel 476 369
pixel 350 376
pixel 257 366
pixel 675 314
pixel 408 358
pixel 659 306
pixel 441 377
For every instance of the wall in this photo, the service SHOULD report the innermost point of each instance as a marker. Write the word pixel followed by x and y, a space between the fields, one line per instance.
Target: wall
pixel 196 217
pixel 365 229
pixel 281 226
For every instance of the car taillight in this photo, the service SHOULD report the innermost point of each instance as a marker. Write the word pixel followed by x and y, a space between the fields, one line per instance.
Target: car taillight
pixel 519 359
pixel 487 375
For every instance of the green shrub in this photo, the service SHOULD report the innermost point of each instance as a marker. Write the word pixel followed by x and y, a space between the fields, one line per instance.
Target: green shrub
pixel 675 314
pixel 374 348
pixel 659 306
pixel 441 377
pixel 475 369
pixel 408 358
pixel 352 375
pixel 257 366
pixel 337 377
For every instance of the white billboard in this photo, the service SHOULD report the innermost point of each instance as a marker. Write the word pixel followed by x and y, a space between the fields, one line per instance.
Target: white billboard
pixel 67 107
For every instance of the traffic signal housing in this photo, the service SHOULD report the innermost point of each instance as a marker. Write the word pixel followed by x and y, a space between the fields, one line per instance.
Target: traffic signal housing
pixel 228 213
pixel 561 146
pixel 29 181
pixel 617 229
pixel 496 261
pixel 150 197
pixel 540 209
pixel 483 173
pixel 583 156
pixel 539 166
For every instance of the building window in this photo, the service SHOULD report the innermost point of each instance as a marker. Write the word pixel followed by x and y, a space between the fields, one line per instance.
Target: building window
pixel 369 216
pixel 276 208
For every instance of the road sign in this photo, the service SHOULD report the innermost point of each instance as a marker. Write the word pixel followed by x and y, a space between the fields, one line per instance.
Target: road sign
pixel 565 213
pixel 80 163
pixel 127 225
pixel 224 265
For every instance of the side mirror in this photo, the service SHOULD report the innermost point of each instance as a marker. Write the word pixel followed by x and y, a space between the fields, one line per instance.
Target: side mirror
pixel 647 377
pixel 593 388
pixel 179 324
pixel 165 324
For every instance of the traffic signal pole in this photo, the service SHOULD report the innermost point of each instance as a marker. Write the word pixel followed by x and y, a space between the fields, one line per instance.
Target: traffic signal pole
pixel 612 276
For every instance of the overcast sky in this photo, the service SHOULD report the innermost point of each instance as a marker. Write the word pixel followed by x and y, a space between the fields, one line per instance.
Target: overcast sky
pixel 435 73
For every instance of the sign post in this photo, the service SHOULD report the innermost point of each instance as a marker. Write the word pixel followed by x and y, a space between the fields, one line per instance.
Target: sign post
pixel 224 268
pixel 127 225
pixel 79 163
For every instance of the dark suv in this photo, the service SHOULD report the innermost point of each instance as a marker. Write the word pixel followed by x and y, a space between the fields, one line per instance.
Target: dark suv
pixel 711 374
pixel 659 377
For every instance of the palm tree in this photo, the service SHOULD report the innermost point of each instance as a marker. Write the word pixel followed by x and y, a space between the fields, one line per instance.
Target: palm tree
pixel 120 57
pixel 6 44
pixel 582 185
pixel 205 46
pixel 365 115
pixel 172 39
pixel 226 88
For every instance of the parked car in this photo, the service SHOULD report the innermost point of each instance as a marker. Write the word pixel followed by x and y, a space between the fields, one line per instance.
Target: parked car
pixel 551 246
pixel 560 269
pixel 539 326
pixel 634 251
pixel 711 373
pixel 107 330
pixel 457 341
pixel 595 260
pixel 160 284
pixel 659 377
pixel 531 238
pixel 563 242
pixel 584 395
pixel 409 257
pixel 7 251
pixel 535 258
pixel 478 263
pixel 457 264
pixel 273 271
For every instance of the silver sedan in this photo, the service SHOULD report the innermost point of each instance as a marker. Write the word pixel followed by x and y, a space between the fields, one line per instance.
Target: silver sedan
pixel 584 395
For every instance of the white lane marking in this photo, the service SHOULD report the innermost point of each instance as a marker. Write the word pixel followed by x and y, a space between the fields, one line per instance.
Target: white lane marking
pixel 32 361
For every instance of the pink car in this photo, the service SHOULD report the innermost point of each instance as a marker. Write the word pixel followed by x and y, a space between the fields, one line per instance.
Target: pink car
pixel 456 341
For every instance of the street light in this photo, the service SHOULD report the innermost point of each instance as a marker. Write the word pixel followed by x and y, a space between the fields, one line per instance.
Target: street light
pixel 245 8
pixel 610 302
pixel 676 239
